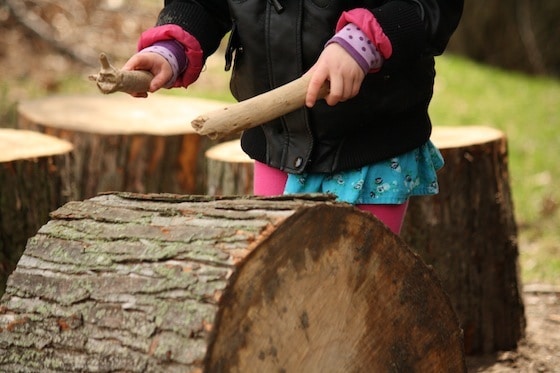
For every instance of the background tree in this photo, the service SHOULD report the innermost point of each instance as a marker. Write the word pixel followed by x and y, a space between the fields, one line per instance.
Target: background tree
pixel 513 34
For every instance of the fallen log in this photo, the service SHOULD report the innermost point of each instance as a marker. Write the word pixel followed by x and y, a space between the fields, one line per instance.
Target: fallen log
pixel 167 283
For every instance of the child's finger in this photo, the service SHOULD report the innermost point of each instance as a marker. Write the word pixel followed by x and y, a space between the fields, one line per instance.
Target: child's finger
pixel 336 92
pixel 158 81
pixel 313 88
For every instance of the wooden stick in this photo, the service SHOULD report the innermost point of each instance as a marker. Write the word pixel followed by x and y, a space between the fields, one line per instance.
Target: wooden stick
pixel 110 79
pixel 256 110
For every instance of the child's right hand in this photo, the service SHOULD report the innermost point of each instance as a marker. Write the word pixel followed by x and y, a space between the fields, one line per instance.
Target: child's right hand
pixel 340 69
pixel 154 63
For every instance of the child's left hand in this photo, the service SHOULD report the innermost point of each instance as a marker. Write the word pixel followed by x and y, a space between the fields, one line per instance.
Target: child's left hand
pixel 339 68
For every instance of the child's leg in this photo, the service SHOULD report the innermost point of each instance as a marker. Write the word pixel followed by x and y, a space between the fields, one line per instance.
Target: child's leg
pixel 391 215
pixel 268 181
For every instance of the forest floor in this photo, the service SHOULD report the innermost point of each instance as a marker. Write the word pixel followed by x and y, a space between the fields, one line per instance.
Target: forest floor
pixel 31 66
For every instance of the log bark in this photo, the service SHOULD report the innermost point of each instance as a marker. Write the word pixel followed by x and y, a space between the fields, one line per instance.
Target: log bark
pixel 229 170
pixel 126 144
pixel 166 283
pixel 34 180
pixel 468 234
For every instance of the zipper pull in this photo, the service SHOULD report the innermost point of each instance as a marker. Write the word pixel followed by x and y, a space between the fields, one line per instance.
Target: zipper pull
pixel 232 46
pixel 277 6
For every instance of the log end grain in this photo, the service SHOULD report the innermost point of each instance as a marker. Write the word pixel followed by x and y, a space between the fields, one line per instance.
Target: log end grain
pixel 333 290
pixel 25 145
pixel 159 114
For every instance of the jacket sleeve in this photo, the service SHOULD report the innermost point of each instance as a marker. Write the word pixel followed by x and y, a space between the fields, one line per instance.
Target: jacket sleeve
pixel 418 28
pixel 206 20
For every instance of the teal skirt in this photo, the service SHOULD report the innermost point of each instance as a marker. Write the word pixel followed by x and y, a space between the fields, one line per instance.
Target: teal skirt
pixel 391 181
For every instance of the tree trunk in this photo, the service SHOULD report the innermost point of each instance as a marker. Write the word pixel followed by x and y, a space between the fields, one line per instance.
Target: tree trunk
pixel 519 34
pixel 468 234
pixel 127 144
pixel 166 283
pixel 230 170
pixel 34 180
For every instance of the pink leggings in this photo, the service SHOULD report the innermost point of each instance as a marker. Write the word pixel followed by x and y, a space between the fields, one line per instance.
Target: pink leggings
pixel 270 181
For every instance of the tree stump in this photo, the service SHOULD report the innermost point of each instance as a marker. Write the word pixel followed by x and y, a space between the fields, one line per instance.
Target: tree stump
pixel 127 144
pixel 167 283
pixel 230 170
pixel 34 180
pixel 468 234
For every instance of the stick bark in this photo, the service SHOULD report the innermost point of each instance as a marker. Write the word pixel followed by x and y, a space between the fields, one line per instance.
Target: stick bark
pixel 110 79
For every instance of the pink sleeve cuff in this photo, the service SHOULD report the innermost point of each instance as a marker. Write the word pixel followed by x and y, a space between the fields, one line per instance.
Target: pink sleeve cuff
pixel 193 51
pixel 367 22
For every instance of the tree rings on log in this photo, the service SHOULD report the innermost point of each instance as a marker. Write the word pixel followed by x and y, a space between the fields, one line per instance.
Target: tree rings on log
pixel 167 283
pixel 468 234
pixel 34 180
pixel 127 144
pixel 230 170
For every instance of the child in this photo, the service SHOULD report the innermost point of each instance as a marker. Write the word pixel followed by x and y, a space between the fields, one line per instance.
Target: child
pixel 368 141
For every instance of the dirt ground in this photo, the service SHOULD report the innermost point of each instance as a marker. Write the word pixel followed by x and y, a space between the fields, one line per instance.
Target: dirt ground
pixel 76 37
pixel 540 350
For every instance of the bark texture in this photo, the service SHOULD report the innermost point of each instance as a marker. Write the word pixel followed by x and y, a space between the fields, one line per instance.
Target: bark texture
pixel 468 234
pixel 166 283
pixel 126 144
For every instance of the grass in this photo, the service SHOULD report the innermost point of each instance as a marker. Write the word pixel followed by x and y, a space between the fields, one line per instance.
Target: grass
pixel 526 108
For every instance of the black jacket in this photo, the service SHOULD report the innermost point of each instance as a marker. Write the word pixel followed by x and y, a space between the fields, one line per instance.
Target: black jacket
pixel 388 117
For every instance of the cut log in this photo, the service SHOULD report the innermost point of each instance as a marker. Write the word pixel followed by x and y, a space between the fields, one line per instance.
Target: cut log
pixel 230 170
pixel 127 144
pixel 34 180
pixel 468 234
pixel 166 283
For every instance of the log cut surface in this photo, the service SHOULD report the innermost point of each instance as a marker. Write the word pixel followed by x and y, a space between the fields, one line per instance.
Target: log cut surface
pixel 168 283
pixel 27 145
pixel 117 114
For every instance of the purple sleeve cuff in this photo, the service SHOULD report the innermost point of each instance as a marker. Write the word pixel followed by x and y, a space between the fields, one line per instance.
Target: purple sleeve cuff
pixel 357 44
pixel 174 53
